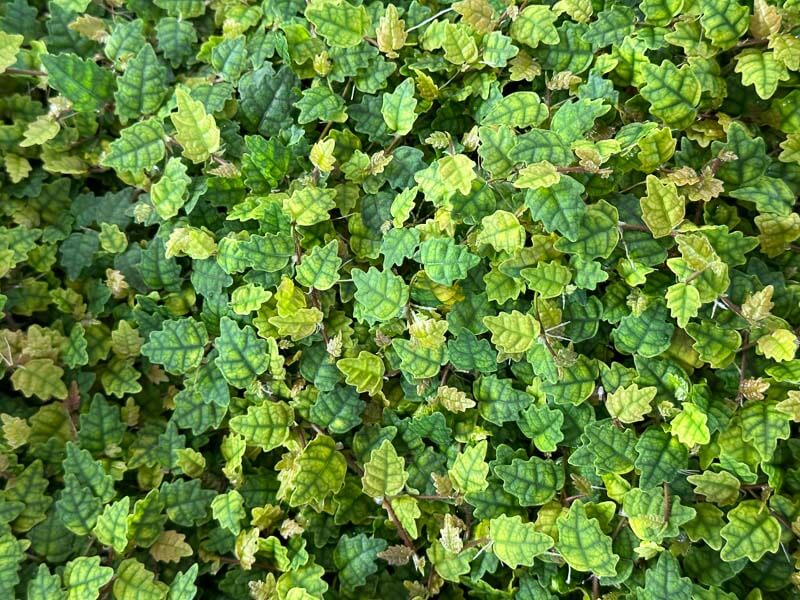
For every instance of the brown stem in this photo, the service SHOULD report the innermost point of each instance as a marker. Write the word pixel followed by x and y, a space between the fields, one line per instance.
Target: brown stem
pixel 731 306
pixel 742 369
pixel 27 72
pixel 399 526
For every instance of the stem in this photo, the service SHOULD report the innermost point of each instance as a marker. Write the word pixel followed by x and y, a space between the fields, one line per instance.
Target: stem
pixel 26 72
pixel 429 19
pixel 399 526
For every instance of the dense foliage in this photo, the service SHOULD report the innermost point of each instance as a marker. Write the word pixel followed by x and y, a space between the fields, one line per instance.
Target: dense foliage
pixel 332 300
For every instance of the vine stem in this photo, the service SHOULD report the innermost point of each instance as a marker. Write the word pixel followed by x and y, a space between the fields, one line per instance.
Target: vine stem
pixel 430 19
pixel 401 531
pixel 26 72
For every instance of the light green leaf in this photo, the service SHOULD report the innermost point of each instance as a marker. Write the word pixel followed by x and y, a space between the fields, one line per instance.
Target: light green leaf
pixel 111 528
pixel 242 355
pixel 84 83
pixel 196 130
pixel 83 578
pixel 10 43
pixel 444 260
pixel 384 472
pixel 750 532
pixel 517 543
pixel 583 544
pixel 134 582
pixel 265 425
pixel 513 332
pixel 365 372
pixel 663 208
pixel 39 377
pixel 179 345
pixel 381 295
pixel 310 205
pixel 673 93
pixel 139 147
pixel 761 70
pixel 631 404
pixel 469 470
pixel 683 302
pixel 228 510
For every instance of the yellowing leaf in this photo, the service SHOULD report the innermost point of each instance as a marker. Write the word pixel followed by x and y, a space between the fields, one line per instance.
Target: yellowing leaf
pixel 196 130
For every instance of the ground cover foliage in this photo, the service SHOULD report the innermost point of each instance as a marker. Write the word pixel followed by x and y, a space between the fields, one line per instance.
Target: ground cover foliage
pixel 333 300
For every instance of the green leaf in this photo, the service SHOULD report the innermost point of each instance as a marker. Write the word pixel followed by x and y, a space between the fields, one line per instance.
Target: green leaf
pixel 660 458
pixel 384 472
pixel 179 345
pixel 241 355
pixel 12 553
pixel 186 9
pixel 647 334
pixel 445 261
pixel 355 558
pixel 111 528
pixel 141 89
pixel 85 84
pixel 9 48
pixel 750 532
pixel 514 332
pixel 340 23
pixel 517 543
pixel 533 482
pixel 398 108
pixel 133 581
pixel 763 424
pixel 228 510
pixel 168 194
pixel 663 208
pixel 39 377
pixel 320 104
pixel 518 109
pixel 320 472
pixel 673 93
pixel 631 404
pixel 365 372
pixel 381 295
pixel 83 578
pixel 583 544
pixel 535 25
pixel 649 519
pixel 139 147
pixel 265 425
pixel 319 268
pixel 469 469
pixel 45 586
pixel 721 488
pixel 761 70
pixel 559 207
pixel 723 22
pixel 195 130
pixel 665 581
